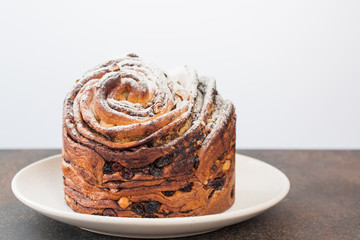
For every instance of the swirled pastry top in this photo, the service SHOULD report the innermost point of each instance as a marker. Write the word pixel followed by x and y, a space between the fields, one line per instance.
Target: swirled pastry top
pixel 130 105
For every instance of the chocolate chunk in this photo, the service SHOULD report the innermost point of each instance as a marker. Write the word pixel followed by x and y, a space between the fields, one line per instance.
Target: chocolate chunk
pixel 117 167
pixel 187 188
pixel 138 208
pixel 107 168
pixel 168 193
pixel 126 173
pixel 109 212
pixel 163 161
pixel 152 207
pixel 217 183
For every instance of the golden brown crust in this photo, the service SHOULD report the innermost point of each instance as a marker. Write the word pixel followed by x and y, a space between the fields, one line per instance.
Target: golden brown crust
pixel 139 142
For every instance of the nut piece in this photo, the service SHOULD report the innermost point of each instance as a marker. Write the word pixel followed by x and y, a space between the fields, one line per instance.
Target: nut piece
pixel 67 198
pixel 124 202
pixel 226 165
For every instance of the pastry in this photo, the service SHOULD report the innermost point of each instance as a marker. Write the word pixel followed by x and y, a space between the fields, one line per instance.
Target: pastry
pixel 142 142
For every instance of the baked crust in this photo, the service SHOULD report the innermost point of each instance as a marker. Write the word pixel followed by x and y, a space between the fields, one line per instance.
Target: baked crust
pixel 141 142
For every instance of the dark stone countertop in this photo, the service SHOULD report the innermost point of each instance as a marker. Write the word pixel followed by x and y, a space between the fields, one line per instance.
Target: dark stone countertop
pixel 323 202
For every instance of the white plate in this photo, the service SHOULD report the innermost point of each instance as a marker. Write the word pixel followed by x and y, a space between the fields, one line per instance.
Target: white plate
pixel 259 186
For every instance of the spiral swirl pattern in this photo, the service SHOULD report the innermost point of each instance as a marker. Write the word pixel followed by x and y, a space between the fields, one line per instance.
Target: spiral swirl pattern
pixel 141 142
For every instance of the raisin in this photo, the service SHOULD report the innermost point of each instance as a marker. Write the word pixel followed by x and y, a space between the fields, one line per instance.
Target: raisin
pixel 157 172
pixel 152 207
pixel 186 211
pixel 107 168
pixel 162 162
pixel 126 173
pixel 97 214
pixel 213 168
pixel 211 194
pixel 168 193
pixel 196 163
pixel 117 167
pixel 149 216
pixel 133 55
pixel 187 188
pixel 217 183
pixel 232 193
pixel 138 208
pixel 222 155
pixel 146 170
pixel 109 212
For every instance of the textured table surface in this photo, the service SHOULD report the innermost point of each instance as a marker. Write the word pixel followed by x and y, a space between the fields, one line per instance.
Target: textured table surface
pixel 323 202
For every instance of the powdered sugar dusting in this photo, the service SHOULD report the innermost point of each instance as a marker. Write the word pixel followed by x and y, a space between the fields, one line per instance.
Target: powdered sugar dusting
pixel 128 101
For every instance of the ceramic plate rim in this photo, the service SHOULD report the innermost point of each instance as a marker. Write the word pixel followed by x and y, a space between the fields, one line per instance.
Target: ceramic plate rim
pixel 227 215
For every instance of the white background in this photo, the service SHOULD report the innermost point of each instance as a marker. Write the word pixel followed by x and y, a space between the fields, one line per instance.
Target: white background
pixel 292 68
